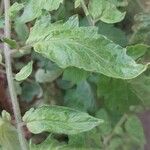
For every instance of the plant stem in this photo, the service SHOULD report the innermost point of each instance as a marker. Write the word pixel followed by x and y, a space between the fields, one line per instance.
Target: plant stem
pixel 13 94
pixel 89 18
pixel 1 7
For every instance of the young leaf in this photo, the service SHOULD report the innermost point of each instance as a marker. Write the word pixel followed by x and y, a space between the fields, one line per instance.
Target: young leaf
pixel 105 11
pixel 24 72
pixel 83 48
pixel 34 8
pixel 58 119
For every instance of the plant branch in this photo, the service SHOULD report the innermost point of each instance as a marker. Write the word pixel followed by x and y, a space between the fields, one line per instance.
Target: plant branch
pixel 13 94
pixel 85 9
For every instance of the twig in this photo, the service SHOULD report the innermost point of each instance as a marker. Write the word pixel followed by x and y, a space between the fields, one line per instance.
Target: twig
pixel 13 94
pixel 89 18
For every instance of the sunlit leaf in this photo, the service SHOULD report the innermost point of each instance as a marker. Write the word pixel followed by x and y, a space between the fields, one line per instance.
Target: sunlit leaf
pixel 33 8
pixel 24 72
pixel 105 11
pixel 59 119
pixel 83 48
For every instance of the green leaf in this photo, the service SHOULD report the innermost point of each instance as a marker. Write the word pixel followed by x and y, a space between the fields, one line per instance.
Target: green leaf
pixel 82 47
pixel 134 128
pixel 24 72
pixel 49 144
pixel 75 75
pixel 141 88
pixel 10 42
pixel 14 9
pixel 30 91
pixel 59 119
pixel 117 95
pixel 105 11
pixel 81 98
pixel 111 32
pixel 106 127
pixel 90 140
pixel 119 3
pixel 115 144
pixel 77 3
pixel 8 133
pixel 42 75
pixel 137 51
pixel 21 30
pixel 33 8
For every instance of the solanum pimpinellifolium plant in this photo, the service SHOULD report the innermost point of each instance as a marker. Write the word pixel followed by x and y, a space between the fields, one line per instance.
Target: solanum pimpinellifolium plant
pixel 82 76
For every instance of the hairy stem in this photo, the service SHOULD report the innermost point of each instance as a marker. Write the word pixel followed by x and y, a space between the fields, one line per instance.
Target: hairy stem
pixel 13 94
pixel 89 18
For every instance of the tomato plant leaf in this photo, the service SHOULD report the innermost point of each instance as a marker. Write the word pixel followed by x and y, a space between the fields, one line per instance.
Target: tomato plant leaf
pixel 82 47
pixel 137 51
pixel 24 72
pixel 59 119
pixel 33 8
pixel 105 11
pixel 42 75
pixel 75 75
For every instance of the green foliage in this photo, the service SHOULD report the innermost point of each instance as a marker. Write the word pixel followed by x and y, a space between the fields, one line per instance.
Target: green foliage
pixel 58 119
pixel 91 73
pixel 8 133
pixel 34 9
pixel 135 130
pixel 105 11
pixel 83 48
pixel 81 98
pixel 24 72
